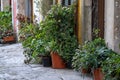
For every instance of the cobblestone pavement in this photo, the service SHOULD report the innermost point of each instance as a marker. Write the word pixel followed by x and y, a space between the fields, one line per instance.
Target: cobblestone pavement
pixel 12 67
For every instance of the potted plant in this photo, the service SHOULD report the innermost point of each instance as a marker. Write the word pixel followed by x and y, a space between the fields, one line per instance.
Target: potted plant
pixel 100 54
pixel 28 36
pixel 79 61
pixel 8 36
pixel 91 56
pixel 56 24
pixel 63 32
pixel 42 49
pixel 6 27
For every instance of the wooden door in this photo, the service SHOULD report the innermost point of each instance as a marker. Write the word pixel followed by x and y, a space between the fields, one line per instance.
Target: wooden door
pixel 98 17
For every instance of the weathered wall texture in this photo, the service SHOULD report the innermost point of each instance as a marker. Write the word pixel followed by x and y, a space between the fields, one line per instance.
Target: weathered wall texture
pixel 87 19
pixel 40 8
pixel 36 12
pixel 4 4
pixel 109 23
pixel 21 6
pixel 117 26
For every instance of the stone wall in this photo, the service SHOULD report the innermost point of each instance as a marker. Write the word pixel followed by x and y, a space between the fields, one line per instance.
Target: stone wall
pixel 117 26
pixel 112 24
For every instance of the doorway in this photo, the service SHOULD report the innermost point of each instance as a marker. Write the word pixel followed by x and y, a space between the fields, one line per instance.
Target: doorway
pixel 98 17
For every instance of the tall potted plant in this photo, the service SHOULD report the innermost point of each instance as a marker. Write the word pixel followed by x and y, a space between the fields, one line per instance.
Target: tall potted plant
pixel 59 25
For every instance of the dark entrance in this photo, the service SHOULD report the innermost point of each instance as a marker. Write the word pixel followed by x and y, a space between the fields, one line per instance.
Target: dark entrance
pixel 98 17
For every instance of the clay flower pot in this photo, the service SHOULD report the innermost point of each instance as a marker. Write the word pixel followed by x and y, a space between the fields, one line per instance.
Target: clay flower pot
pixel 8 38
pixel 57 61
pixel 98 75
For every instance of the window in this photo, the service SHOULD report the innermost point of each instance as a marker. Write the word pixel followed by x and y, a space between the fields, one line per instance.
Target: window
pixel 67 2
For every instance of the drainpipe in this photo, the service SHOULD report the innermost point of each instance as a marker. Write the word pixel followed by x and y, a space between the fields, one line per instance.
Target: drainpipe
pixel 79 21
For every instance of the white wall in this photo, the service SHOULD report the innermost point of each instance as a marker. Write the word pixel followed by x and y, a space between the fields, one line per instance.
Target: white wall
pixel 87 20
pixel 109 23
pixel 37 14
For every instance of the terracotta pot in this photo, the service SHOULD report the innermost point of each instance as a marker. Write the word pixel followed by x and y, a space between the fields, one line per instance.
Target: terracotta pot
pixel 98 75
pixel 8 38
pixel 57 61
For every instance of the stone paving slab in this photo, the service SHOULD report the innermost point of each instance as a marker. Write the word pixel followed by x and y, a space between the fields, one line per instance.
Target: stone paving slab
pixel 12 67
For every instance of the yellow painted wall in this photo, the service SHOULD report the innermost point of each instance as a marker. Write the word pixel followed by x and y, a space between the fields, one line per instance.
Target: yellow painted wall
pixel 58 1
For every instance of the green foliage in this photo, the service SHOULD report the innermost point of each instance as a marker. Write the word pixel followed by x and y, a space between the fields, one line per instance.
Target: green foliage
pixel 33 38
pixel 111 67
pixel 91 54
pixel 59 25
pixel 5 21
pixel 94 54
pixel 28 35
pixel 55 33
pixel 5 24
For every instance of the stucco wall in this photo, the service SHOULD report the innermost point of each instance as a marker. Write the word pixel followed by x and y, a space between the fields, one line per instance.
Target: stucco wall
pixel 4 4
pixel 40 8
pixel 36 12
pixel 87 19
pixel 21 6
pixel 109 23
pixel 117 26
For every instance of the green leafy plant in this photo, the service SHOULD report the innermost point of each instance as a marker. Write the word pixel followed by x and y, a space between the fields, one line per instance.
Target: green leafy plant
pixel 59 25
pixel 33 39
pixel 27 36
pixel 91 55
pixel 6 20
pixel 6 23
pixel 111 67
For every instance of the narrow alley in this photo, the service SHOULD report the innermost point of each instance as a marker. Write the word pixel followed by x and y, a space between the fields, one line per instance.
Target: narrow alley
pixel 12 67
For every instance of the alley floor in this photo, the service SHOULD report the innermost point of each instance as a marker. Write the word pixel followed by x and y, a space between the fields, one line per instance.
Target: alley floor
pixel 12 67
